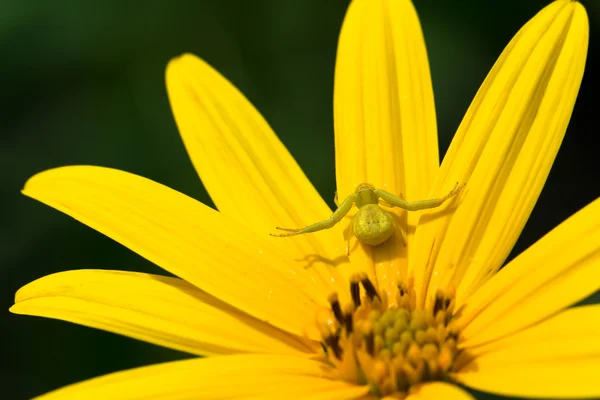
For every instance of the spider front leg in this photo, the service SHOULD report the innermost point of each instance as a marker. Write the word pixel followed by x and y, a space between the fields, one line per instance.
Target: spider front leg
pixel 419 204
pixel 336 217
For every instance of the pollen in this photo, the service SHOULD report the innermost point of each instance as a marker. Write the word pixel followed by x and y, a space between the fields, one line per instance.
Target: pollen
pixel 389 346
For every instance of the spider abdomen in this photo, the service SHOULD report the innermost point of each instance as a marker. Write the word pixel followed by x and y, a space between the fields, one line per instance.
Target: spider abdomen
pixel 373 225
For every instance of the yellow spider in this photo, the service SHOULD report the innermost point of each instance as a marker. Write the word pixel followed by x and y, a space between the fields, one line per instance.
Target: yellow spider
pixel 371 224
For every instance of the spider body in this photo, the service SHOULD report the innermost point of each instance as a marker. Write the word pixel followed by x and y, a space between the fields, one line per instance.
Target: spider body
pixel 372 224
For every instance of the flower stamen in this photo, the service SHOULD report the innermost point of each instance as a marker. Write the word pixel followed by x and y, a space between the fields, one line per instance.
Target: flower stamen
pixel 336 308
pixel 355 292
pixel 389 347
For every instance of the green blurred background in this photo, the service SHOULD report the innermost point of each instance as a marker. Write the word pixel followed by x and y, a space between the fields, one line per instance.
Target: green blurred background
pixel 83 83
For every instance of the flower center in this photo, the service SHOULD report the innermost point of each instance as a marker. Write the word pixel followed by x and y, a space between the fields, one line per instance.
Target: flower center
pixel 389 347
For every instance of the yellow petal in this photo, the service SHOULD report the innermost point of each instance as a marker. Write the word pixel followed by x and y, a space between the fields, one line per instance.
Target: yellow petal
pixel 186 238
pixel 559 358
pixel 157 309
pixel 215 378
pixel 557 271
pixel 438 391
pixel 385 126
pixel 575 331
pixel 247 171
pixel 503 150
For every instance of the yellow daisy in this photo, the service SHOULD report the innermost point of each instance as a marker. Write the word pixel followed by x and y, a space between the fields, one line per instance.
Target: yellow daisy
pixel 296 318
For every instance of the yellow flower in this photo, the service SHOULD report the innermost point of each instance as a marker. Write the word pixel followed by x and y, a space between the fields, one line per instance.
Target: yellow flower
pixel 296 317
